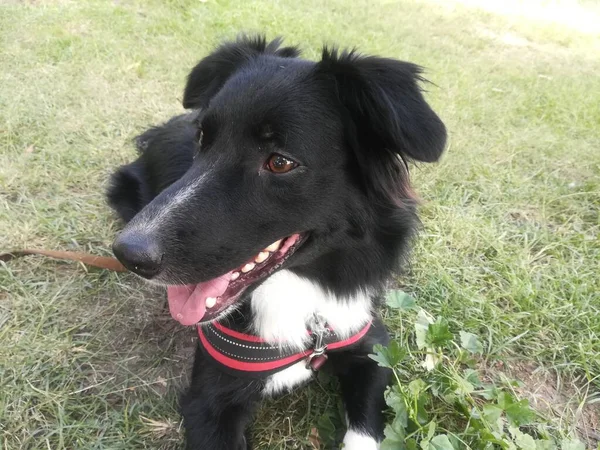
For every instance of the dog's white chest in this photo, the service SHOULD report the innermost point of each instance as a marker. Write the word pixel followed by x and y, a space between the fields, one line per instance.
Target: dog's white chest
pixel 285 304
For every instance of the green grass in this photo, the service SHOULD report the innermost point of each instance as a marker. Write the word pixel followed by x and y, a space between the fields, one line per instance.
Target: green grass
pixel 510 248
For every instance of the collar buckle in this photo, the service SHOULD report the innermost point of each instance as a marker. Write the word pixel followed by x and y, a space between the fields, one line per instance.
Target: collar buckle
pixel 318 357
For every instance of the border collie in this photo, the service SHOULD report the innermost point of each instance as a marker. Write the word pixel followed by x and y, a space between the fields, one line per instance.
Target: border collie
pixel 274 211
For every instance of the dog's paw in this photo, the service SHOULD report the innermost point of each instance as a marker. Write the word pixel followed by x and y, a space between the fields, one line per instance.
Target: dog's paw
pixel 357 440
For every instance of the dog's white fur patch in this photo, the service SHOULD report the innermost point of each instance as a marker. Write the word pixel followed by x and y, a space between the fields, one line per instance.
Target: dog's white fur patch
pixel 144 222
pixel 285 304
pixel 287 378
pixel 357 440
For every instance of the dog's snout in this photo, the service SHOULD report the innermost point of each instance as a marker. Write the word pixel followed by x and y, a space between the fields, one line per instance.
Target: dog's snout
pixel 139 253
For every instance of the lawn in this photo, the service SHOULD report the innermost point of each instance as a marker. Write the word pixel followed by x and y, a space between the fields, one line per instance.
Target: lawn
pixel 509 250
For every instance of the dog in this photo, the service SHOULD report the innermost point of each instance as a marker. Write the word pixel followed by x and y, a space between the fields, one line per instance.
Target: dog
pixel 275 210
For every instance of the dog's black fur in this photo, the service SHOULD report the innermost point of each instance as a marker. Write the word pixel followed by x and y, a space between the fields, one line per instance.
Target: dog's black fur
pixel 352 123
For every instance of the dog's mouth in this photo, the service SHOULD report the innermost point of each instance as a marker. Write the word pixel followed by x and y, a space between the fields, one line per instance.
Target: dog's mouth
pixel 203 302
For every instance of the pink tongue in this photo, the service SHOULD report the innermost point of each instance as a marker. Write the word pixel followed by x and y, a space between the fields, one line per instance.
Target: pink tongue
pixel 187 303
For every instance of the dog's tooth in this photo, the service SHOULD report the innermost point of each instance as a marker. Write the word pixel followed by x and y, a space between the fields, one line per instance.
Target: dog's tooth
pixel 248 267
pixel 235 276
pixel 210 302
pixel 261 257
pixel 274 246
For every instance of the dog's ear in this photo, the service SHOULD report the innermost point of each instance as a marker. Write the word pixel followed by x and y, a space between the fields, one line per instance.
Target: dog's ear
pixel 128 191
pixel 384 101
pixel 211 73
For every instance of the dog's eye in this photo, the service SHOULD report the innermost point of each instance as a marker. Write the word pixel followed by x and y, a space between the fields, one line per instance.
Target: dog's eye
pixel 280 164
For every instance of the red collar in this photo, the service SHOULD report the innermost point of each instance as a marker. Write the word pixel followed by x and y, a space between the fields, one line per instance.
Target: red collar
pixel 251 356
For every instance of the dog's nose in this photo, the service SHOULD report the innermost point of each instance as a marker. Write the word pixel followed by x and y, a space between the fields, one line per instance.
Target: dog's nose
pixel 139 253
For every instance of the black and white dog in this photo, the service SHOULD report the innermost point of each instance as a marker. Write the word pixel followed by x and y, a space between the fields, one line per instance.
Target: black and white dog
pixel 275 211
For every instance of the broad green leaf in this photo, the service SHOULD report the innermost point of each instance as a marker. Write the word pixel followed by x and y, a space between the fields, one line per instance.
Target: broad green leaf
pixel 456 443
pixel 520 413
pixel 522 440
pixel 489 392
pixel 431 430
pixel 544 444
pixel 380 356
pixel 326 429
pixel 440 442
pixel 392 444
pixel 505 399
pixel 325 424
pixel 396 353
pixel 415 387
pixel 390 356
pixel 422 416
pixel 569 444
pixel 491 437
pixel 399 426
pixel 472 376
pixel 492 413
pixel 411 444
pixel 441 383
pixel 396 401
pixel 398 299
pixel 392 434
pixel 470 342
pixel 463 387
pixel 421 327
pixel 438 333
pixel 450 398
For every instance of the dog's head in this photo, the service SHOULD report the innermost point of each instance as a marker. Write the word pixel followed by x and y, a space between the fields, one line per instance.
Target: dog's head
pixel 299 164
